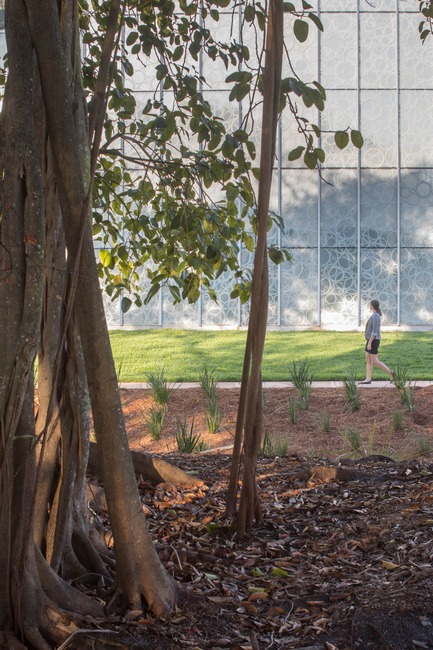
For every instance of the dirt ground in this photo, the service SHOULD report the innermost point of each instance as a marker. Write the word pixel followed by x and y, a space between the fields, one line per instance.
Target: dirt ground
pixel 342 559
pixel 383 424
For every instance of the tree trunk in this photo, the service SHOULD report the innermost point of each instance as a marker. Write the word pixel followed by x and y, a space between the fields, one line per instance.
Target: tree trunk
pixel 250 413
pixel 47 172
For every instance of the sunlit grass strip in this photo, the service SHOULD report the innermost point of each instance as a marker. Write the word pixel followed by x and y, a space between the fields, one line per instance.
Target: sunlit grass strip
pixel 331 355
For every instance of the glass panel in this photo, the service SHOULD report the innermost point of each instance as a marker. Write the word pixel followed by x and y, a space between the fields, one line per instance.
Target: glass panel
pixel 341 111
pixel 112 311
pixel 379 282
pixel 378 51
pixel 417 287
pixel 299 208
pixel 416 60
pixel 180 315
pixel 377 5
pixel 299 289
pixel 338 51
pixel 225 311
pixel 416 208
pixel 215 72
pixel 302 56
pixel 339 286
pixel 378 208
pixel 379 112
pixel 339 212
pixel 416 137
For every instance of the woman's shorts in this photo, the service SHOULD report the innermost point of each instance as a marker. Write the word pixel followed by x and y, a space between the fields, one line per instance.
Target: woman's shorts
pixel 374 346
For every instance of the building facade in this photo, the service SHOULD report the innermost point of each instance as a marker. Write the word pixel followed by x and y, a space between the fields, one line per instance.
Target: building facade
pixel 365 230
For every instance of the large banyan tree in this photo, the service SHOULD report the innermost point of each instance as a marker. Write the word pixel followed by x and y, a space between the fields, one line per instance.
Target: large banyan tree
pixel 54 128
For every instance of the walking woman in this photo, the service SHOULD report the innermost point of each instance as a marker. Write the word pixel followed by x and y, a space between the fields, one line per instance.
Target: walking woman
pixel 372 335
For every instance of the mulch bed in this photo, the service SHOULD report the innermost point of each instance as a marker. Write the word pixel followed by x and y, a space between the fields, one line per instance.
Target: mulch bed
pixel 341 560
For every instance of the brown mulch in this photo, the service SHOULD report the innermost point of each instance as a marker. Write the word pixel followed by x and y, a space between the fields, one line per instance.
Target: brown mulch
pixel 343 556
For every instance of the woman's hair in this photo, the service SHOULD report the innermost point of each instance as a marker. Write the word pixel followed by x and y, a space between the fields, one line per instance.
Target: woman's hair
pixel 375 305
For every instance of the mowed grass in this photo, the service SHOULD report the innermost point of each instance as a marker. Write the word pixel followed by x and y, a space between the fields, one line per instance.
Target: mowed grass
pixel 331 355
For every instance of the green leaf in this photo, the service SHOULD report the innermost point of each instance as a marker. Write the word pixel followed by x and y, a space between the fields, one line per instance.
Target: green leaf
pixel 249 13
pixel 105 257
pixel 341 139
pixel 320 154
pixel 316 20
pixel 125 304
pixel 296 153
pixel 300 29
pixel 310 160
pixel 276 255
pixel 276 571
pixel 256 572
pixel 357 139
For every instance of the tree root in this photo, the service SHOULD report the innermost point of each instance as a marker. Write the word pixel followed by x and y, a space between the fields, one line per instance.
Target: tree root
pixel 154 470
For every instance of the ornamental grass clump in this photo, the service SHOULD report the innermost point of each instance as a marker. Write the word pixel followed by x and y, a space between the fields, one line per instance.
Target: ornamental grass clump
pixel 301 377
pixel 187 440
pixel 351 391
pixel 159 386
pixel 213 413
pixel 154 420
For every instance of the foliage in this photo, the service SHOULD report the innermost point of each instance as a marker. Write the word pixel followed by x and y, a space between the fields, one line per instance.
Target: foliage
pixel 208 382
pixel 154 420
pixel 278 447
pixel 425 27
pixel 187 440
pixel 397 421
pixel 351 391
pixel 292 410
pixel 325 422
pixel 301 377
pixel 353 438
pixel 209 385
pixel 159 386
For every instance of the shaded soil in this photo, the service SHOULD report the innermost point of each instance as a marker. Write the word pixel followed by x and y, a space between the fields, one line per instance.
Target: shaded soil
pixel 342 558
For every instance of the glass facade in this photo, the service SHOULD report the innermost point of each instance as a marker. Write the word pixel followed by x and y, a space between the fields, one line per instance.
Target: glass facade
pixel 365 230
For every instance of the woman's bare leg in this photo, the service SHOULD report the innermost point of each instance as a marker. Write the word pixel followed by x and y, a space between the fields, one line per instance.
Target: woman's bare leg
pixel 379 364
pixel 368 366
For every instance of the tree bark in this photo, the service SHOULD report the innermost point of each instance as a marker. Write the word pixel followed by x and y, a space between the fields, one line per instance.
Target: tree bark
pixel 250 414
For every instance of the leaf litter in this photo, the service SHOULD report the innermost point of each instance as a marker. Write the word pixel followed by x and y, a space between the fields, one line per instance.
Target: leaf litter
pixel 341 560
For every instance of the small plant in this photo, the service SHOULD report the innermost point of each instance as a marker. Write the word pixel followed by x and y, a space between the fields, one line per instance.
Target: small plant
pixel 408 397
pixel 400 377
pixel 353 439
pixel 301 374
pixel 154 421
pixel 351 392
pixel 325 422
pixel 397 421
pixel 208 382
pixel 302 377
pixel 159 386
pixel 278 447
pixel 209 386
pixel 292 411
pixel 304 398
pixel 119 371
pixel 187 440
pixel 213 415
pixel 425 447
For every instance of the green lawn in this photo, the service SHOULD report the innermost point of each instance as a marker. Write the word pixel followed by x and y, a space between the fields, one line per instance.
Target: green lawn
pixel 331 355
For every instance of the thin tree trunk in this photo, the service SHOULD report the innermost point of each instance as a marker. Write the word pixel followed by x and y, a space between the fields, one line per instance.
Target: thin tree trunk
pixel 250 413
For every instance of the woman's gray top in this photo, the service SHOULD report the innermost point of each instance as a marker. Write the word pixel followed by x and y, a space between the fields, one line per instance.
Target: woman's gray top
pixel 373 326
